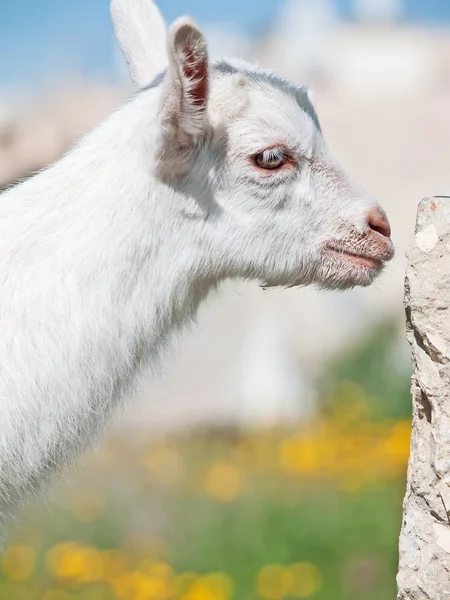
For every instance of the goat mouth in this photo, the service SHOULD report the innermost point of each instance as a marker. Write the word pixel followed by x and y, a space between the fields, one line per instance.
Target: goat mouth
pixel 356 258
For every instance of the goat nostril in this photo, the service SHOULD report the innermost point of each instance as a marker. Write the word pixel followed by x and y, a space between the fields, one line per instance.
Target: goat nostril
pixel 377 221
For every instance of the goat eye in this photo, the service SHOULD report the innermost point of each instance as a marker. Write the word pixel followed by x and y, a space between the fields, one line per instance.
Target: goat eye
pixel 271 159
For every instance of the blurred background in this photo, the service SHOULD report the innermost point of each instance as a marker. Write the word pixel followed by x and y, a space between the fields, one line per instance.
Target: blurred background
pixel 268 461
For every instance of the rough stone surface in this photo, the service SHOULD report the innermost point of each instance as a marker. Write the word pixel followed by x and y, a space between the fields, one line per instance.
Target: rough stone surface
pixel 424 569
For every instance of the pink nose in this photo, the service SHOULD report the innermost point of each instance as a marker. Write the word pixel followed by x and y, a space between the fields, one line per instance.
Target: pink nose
pixel 378 221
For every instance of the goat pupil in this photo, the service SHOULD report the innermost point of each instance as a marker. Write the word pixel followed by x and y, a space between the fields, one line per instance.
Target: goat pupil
pixel 269 159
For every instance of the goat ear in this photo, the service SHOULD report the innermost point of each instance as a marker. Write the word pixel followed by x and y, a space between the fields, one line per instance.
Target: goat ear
pixel 185 97
pixel 141 33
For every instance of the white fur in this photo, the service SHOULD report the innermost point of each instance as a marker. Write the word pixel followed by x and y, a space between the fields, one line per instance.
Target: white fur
pixel 141 32
pixel 110 251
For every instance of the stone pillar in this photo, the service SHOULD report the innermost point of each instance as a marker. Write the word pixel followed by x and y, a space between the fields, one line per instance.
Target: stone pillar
pixel 424 569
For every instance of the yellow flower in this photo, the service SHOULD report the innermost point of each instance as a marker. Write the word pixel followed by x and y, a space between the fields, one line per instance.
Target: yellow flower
pixel 220 584
pixel 306 579
pixel 69 561
pixel 224 482
pixel 18 562
pixel 114 564
pixel 150 586
pixel 153 580
pixel 215 586
pixel 395 449
pixel 122 586
pixel 274 582
pixel 299 455
pixel 158 569
pixel 183 582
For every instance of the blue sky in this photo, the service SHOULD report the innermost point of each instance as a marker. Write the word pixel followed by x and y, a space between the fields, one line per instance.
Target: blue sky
pixel 39 38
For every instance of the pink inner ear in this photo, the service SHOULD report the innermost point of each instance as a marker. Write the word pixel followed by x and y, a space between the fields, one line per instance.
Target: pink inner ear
pixel 196 70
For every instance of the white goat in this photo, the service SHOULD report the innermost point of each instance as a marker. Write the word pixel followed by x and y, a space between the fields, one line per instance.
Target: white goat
pixel 210 172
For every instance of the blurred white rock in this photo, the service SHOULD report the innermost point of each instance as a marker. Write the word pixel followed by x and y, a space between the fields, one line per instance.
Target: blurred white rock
pixel 270 388
pixel 383 61
pixel 302 38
